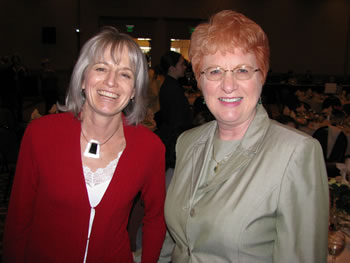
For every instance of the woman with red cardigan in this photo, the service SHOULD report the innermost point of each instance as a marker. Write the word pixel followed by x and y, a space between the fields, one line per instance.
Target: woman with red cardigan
pixel 79 171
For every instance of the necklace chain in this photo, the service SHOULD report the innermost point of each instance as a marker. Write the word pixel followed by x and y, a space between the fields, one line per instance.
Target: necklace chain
pixel 100 144
pixel 218 164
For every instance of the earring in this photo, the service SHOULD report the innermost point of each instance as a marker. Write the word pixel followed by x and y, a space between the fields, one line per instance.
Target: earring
pixel 132 100
pixel 83 93
pixel 260 101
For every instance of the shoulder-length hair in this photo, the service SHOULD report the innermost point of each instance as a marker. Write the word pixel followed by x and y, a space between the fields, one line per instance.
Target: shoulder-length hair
pixel 226 31
pixel 93 50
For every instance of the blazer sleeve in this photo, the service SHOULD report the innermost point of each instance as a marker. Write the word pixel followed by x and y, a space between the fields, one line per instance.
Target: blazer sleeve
pixel 153 195
pixel 302 213
pixel 23 195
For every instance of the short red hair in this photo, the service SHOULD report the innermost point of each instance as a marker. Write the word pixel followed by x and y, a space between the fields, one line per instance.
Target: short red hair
pixel 226 31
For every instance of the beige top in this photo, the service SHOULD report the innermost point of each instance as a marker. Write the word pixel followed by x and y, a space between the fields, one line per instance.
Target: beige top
pixel 219 152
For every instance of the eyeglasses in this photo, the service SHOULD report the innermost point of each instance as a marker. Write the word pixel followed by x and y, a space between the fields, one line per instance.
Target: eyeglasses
pixel 242 72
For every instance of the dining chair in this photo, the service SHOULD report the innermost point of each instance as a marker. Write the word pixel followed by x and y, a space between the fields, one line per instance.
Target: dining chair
pixel 337 154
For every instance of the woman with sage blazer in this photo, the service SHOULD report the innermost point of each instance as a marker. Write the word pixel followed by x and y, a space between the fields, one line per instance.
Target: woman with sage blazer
pixel 245 188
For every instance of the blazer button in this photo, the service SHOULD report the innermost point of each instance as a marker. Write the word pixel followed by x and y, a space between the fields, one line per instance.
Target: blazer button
pixel 192 212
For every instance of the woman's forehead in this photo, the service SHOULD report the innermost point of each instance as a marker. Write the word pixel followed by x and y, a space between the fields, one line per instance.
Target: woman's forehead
pixel 110 52
pixel 116 54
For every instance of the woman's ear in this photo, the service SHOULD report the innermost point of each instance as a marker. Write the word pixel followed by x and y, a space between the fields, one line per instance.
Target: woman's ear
pixel 133 94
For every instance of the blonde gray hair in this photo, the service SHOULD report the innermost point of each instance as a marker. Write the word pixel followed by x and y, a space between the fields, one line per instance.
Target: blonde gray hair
pixel 92 51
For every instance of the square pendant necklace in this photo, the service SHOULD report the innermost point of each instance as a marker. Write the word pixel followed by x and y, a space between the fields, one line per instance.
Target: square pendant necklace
pixel 93 147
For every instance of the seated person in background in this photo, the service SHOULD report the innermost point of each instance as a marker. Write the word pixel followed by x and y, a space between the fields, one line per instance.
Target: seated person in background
pixel 333 108
pixel 295 108
pixel 287 120
pixel 149 121
pixel 333 111
pixel 36 114
pixel 201 113
pixel 300 94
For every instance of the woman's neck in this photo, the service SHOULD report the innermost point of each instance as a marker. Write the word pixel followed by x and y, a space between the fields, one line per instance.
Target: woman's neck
pixel 173 75
pixel 229 132
pixel 100 128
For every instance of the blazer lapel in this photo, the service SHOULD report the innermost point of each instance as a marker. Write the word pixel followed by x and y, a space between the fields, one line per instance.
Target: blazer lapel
pixel 199 154
pixel 248 147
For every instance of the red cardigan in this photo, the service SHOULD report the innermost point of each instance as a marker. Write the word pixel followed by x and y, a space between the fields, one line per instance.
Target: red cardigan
pixel 49 210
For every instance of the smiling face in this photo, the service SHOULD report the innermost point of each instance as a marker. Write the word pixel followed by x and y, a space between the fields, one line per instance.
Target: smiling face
pixel 231 101
pixel 108 85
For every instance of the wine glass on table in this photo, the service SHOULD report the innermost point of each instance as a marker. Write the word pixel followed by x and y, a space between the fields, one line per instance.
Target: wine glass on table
pixel 336 244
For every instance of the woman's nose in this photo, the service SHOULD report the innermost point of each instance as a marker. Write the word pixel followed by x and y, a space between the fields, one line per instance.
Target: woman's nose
pixel 111 78
pixel 229 82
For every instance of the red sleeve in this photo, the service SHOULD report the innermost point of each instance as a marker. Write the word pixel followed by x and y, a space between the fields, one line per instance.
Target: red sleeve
pixel 20 211
pixel 153 195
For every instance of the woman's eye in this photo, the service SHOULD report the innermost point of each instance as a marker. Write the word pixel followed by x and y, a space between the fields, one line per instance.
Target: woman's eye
pixel 100 69
pixel 242 71
pixel 215 72
pixel 125 75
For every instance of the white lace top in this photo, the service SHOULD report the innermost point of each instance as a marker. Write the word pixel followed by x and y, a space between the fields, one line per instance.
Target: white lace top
pixel 98 181
pixel 96 184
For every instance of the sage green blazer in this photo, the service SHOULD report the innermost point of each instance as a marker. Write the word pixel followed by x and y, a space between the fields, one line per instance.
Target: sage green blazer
pixel 268 203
